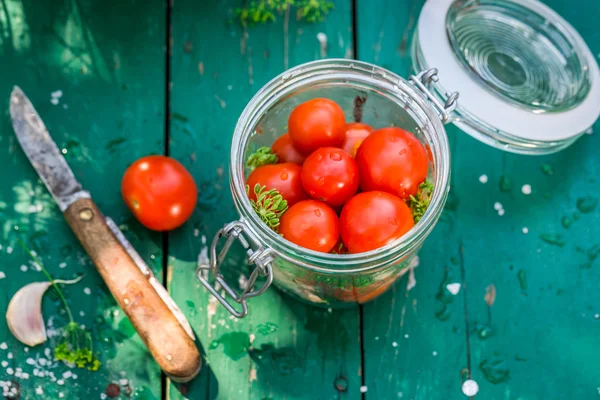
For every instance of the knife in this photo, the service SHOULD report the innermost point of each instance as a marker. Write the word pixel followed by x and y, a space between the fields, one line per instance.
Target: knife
pixel 152 312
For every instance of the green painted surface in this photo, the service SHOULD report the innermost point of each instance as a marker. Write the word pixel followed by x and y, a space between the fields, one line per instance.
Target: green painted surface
pixel 111 112
pixel 283 349
pixel 537 339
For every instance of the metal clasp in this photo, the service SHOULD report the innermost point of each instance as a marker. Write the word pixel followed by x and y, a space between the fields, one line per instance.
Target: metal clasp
pixel 423 80
pixel 257 255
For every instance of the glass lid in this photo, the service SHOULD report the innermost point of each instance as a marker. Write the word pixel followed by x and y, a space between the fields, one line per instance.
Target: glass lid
pixel 528 83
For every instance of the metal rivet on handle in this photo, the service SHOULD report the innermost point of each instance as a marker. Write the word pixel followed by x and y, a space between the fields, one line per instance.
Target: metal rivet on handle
pixel 86 214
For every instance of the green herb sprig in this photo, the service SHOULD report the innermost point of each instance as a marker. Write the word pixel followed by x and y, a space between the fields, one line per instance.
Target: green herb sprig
pixel 418 204
pixel 75 345
pixel 269 205
pixel 264 11
pixel 262 156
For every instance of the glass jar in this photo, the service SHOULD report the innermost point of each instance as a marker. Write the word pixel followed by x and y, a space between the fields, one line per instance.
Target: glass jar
pixel 367 93
pixel 528 82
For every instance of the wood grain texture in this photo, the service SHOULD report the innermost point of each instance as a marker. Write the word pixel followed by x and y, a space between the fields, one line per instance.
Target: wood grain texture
pixel 104 62
pixel 283 349
pixel 535 340
pixel 165 337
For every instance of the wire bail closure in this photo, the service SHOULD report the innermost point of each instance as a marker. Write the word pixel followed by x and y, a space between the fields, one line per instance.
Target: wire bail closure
pixel 257 255
pixel 422 80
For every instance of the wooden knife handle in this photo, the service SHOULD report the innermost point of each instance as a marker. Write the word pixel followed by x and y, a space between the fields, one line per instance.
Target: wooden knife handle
pixel 171 347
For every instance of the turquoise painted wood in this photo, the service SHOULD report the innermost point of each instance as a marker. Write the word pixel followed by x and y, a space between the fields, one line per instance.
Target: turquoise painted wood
pixel 80 63
pixel 105 67
pixel 283 349
pixel 536 339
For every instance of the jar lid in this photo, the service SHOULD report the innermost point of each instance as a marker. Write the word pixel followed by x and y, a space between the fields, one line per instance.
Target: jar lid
pixel 528 83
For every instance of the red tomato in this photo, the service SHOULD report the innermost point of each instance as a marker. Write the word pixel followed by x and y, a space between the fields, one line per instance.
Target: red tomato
pixel 392 160
pixel 311 224
pixel 355 133
pixel 285 150
pixel 371 220
pixel 160 192
pixel 285 178
pixel 317 123
pixel 330 175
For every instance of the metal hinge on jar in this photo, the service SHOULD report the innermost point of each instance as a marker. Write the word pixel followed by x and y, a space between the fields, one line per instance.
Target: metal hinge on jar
pixel 257 255
pixel 422 80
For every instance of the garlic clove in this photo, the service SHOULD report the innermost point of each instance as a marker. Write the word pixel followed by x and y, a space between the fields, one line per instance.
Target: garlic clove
pixel 24 313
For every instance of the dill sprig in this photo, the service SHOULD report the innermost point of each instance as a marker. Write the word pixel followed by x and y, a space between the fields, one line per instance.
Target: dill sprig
pixel 269 205
pixel 418 204
pixel 264 11
pixel 262 156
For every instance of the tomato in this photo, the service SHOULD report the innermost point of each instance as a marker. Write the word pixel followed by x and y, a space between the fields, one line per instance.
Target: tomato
pixel 371 220
pixel 317 123
pixel 285 150
pixel 330 175
pixel 355 133
pixel 311 224
pixel 160 192
pixel 392 160
pixel 285 178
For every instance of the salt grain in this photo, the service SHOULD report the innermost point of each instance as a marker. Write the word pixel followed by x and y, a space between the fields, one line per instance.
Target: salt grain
pixel 526 189
pixel 434 353
pixel 30 361
pixel 525 230
pixel 81 313
pixel 62 265
pixel 10 371
pixel 61 395
pixel 9 356
pixel 483 178
pixel 3 346
pixel 363 389
pixel 67 374
pixel 497 206
pixel 39 390
pixel 453 288
pixel 501 212
pixel 60 382
pixel 9 250
pixel 470 387
pixel 54 100
pixel 24 268
pixel 4 364
pixel 123 382
pixel 406 336
pixel 87 291
pixel 2 275
pixel 394 344
pixel 103 396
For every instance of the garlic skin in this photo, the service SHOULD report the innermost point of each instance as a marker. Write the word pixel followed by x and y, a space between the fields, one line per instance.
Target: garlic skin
pixel 24 313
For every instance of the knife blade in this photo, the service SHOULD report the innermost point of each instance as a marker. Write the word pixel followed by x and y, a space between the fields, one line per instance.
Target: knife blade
pixel 153 313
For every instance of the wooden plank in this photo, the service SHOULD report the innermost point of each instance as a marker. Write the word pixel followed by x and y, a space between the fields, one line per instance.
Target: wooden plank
pixel 544 319
pixel 297 351
pixel 80 62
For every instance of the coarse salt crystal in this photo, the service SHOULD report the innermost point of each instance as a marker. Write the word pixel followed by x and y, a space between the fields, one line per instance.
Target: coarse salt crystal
pixel 67 374
pixel 363 389
pixel 60 382
pixel 394 344
pixel 123 382
pixel 30 361
pixel 526 189
pixel 39 390
pixel 453 288
pixel 9 356
pixel 9 250
pixel 3 346
pixel 2 275
pixel 10 371
pixel 406 336
pixel 4 364
pixel 434 353
pixel 497 206
pixel 103 396
pixel 501 212
pixel 483 178
pixel 470 387
pixel 525 230
pixel 24 268
pixel 87 291
pixel 62 265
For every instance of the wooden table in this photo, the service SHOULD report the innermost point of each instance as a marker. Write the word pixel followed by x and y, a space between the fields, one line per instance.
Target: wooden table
pixel 102 78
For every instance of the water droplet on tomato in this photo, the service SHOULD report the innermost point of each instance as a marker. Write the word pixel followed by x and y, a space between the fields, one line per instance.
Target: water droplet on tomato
pixel 320 243
pixel 402 152
pixel 335 156
pixel 321 181
pixel 317 212
pixel 284 176
pixel 319 157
